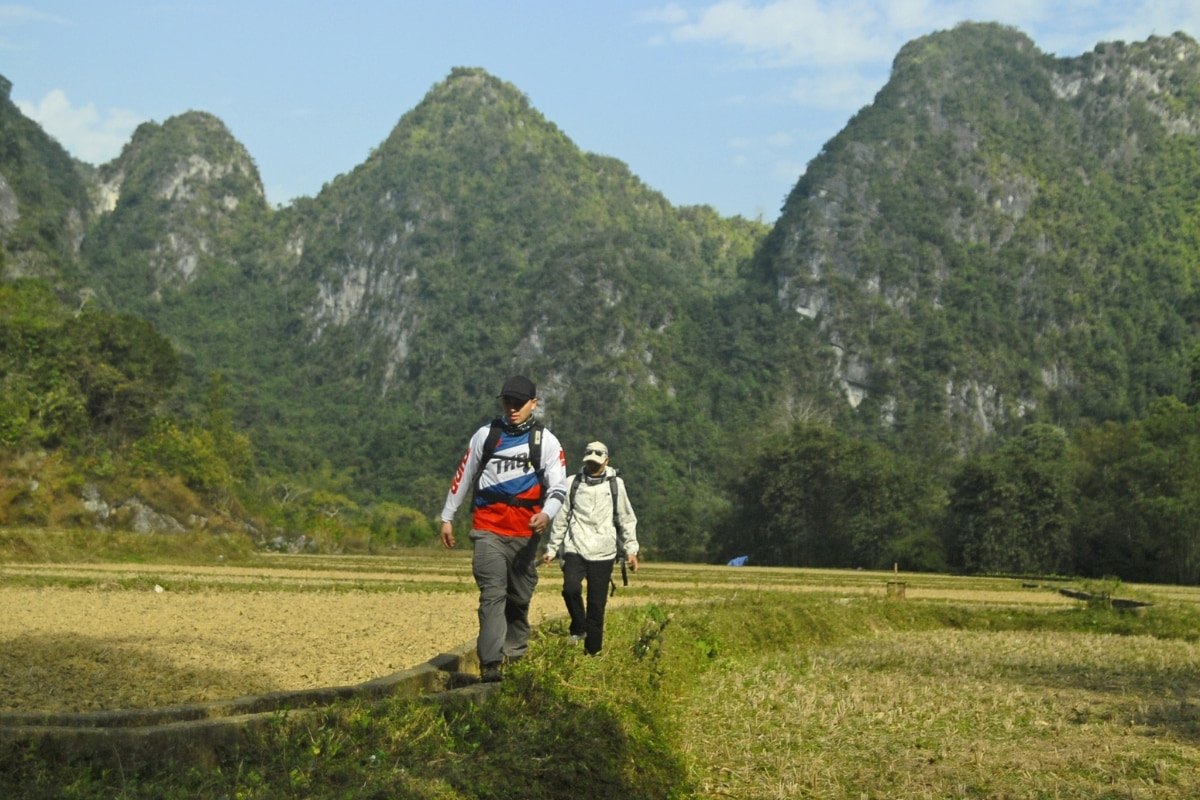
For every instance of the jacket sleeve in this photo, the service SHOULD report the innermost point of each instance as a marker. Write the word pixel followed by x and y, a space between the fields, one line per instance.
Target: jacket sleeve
pixel 558 529
pixel 628 520
pixel 461 486
pixel 555 462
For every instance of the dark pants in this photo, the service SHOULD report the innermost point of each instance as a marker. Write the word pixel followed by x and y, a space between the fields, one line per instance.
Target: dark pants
pixel 590 623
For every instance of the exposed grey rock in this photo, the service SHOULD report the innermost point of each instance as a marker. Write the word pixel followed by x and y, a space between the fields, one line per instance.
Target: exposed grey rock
pixel 94 503
pixel 147 520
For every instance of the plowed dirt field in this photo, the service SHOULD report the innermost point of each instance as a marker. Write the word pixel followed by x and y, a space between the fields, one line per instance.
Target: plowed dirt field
pixel 103 637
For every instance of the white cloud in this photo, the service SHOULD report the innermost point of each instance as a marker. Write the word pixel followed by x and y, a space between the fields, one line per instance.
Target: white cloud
pixel 671 14
pixel 767 149
pixel 857 33
pixel 788 171
pixel 15 14
pixel 1153 17
pixel 839 91
pixel 84 132
pixel 796 32
pixel 13 17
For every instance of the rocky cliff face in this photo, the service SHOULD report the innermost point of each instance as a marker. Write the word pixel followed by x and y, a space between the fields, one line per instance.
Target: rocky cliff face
pixel 478 220
pixel 372 324
pixel 173 204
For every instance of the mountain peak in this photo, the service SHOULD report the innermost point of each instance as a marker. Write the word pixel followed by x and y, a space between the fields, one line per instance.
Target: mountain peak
pixel 182 186
pixel 185 151
pixel 971 175
pixel 468 110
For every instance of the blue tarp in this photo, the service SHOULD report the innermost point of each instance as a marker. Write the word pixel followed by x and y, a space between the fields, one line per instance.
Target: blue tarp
pixel 740 561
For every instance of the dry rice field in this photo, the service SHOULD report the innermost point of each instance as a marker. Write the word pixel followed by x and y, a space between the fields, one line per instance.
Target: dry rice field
pixel 77 638
pixel 90 637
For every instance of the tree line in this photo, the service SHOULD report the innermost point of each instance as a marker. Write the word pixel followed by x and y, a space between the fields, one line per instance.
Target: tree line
pixel 1108 500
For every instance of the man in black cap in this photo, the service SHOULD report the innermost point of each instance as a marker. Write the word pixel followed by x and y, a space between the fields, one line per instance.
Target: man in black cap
pixel 519 475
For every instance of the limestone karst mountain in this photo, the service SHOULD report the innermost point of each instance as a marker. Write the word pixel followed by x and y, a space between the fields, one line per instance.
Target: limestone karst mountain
pixel 1001 237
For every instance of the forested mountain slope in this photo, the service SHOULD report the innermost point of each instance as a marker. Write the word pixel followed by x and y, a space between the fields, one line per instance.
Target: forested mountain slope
pixel 43 199
pixel 1003 236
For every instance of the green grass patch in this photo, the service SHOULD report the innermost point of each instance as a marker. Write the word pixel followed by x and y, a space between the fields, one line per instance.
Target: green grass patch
pixel 45 546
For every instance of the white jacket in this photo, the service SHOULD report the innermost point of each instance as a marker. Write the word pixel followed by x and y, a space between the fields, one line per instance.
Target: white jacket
pixel 585 526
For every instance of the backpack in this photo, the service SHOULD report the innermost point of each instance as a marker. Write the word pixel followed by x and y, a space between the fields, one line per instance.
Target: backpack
pixel 612 484
pixel 535 462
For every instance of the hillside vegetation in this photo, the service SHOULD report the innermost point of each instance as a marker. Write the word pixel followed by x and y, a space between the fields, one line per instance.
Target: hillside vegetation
pixel 968 342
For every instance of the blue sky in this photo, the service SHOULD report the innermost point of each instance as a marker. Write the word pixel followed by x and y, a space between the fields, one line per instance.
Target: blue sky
pixel 717 103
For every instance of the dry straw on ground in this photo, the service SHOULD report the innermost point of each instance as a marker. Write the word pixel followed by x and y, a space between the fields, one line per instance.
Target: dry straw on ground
pixel 96 636
pixel 956 714
pixel 110 641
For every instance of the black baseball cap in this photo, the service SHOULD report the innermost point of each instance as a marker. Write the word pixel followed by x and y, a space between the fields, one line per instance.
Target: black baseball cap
pixel 520 388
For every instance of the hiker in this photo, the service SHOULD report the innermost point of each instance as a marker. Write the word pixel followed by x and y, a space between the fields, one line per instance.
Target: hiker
pixel 518 473
pixel 596 528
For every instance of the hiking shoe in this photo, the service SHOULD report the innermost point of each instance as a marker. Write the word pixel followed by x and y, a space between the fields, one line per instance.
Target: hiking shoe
pixel 576 638
pixel 491 673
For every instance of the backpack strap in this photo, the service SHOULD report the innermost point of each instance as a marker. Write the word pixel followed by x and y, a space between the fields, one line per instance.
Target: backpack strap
pixel 612 483
pixel 535 459
pixel 574 479
pixel 535 451
pixel 574 489
pixel 489 450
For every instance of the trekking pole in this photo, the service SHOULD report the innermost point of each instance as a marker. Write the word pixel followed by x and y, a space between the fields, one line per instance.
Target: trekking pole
pixel 612 585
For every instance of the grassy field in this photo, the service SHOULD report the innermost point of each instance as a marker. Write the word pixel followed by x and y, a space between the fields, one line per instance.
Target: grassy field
pixel 726 682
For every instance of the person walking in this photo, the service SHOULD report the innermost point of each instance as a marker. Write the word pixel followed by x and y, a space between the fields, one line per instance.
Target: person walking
pixel 596 528
pixel 518 472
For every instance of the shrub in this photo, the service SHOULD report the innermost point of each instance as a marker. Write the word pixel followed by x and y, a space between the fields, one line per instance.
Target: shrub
pixel 392 523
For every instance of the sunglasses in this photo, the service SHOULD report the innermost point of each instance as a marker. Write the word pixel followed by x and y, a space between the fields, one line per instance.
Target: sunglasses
pixel 596 453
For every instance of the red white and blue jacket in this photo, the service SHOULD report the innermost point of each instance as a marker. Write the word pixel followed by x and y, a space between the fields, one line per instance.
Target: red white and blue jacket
pixel 510 492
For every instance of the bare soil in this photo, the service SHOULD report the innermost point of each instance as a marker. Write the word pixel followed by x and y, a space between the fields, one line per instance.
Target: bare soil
pixel 92 649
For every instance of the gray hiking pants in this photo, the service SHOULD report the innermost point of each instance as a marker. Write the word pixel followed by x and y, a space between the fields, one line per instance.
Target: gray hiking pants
pixel 505 570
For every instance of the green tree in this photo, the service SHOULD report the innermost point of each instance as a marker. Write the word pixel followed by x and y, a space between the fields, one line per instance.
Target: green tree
pixel 234 447
pixel 819 498
pixel 1011 511
pixel 67 377
pixel 124 368
pixel 1139 488
pixel 1192 393
pixel 184 449
pixel 392 523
